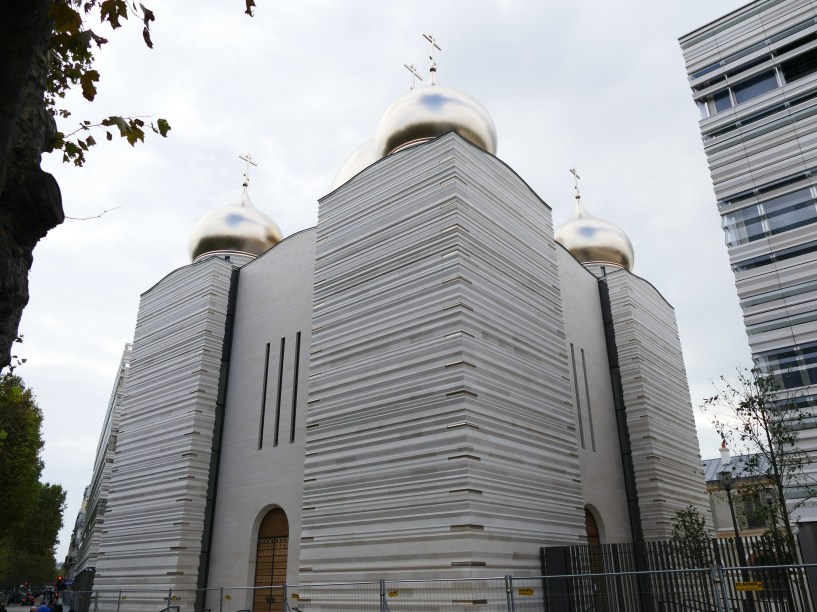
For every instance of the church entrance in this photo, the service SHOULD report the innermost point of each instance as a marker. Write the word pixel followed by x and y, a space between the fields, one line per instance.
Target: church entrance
pixel 596 557
pixel 271 562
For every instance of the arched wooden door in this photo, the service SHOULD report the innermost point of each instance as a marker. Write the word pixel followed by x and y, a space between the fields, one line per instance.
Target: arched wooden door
pixel 271 562
pixel 596 557
pixel 591 528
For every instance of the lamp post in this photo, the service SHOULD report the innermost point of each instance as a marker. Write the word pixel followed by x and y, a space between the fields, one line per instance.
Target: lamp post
pixel 725 481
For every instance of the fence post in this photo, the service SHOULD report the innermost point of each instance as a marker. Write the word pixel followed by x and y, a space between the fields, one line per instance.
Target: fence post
pixel 118 601
pixel 715 582
pixel 722 582
pixel 220 599
pixel 509 592
pixel 169 597
pixel 384 607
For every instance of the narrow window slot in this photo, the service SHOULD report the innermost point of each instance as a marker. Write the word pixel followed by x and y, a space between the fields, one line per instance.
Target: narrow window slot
pixel 295 385
pixel 278 397
pixel 578 400
pixel 589 412
pixel 263 399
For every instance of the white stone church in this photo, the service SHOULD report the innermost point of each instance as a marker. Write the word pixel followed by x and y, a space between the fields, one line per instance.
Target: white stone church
pixel 430 383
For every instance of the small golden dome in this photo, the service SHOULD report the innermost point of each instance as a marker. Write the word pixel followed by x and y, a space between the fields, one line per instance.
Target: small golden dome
pixel 594 240
pixel 239 228
pixel 428 112
pixel 360 159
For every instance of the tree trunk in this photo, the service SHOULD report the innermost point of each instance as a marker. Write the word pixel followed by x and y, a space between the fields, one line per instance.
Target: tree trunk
pixel 30 202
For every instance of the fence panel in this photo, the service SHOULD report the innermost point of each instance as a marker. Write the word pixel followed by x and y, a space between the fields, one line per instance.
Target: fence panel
pixel 767 589
pixel 487 594
pixel 135 601
pixel 351 597
pixel 774 588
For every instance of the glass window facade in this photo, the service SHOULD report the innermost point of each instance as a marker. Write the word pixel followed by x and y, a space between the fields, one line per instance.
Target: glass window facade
pixel 791 70
pixel 800 66
pixel 794 366
pixel 774 216
pixel 756 86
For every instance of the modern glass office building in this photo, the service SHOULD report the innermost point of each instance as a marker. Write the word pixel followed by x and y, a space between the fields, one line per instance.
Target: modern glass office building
pixel 753 75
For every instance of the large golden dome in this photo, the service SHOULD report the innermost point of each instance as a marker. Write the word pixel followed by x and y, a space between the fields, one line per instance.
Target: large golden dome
pixel 594 240
pixel 429 112
pixel 239 229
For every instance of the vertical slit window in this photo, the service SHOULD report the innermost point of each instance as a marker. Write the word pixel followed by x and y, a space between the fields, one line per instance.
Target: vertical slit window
pixel 589 411
pixel 278 397
pixel 263 399
pixel 578 401
pixel 295 386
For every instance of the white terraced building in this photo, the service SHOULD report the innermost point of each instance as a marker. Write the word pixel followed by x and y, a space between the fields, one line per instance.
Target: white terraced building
pixel 428 384
pixel 753 75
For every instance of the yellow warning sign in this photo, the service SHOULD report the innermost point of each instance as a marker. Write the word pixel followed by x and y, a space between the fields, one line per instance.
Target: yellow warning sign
pixel 755 585
pixel 525 591
pixel 394 593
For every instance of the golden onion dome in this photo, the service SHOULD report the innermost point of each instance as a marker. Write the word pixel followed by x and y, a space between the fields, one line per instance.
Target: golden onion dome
pixel 239 229
pixel 360 159
pixel 428 112
pixel 594 240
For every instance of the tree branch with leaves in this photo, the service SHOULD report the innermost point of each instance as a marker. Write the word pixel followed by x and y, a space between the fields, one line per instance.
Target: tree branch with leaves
pixel 72 66
pixel 48 49
pixel 759 419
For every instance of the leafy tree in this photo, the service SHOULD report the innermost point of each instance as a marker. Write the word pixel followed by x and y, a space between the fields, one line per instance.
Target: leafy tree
pixel 48 48
pixel 31 512
pixel 760 420
pixel 691 536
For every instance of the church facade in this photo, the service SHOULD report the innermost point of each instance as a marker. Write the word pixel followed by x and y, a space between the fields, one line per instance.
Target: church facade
pixel 430 383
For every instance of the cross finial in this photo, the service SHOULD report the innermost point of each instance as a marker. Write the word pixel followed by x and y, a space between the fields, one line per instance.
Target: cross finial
pixel 433 70
pixel 247 158
pixel 576 178
pixel 414 75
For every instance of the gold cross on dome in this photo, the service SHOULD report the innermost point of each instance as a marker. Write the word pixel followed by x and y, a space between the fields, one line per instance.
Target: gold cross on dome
pixel 247 158
pixel 433 70
pixel 414 74
pixel 576 178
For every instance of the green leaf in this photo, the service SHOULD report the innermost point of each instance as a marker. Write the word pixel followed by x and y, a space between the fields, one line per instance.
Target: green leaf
pixel 88 82
pixel 164 127
pixel 146 37
pixel 115 120
pixel 112 11
pixel 65 18
pixel 147 15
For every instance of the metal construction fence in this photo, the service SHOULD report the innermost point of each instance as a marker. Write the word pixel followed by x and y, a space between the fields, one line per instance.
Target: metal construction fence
pixel 779 588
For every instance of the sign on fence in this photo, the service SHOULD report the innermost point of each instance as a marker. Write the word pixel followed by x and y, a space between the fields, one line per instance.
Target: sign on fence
pixel 755 585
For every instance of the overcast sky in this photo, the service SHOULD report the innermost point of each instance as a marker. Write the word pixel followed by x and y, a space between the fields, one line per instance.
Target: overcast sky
pixel 596 85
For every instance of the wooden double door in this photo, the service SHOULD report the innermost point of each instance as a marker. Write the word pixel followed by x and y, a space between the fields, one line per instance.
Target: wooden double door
pixel 271 562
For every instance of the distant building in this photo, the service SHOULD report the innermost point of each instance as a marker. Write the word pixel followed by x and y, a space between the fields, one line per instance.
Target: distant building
pixel 753 75
pixel 750 494
pixel 428 384
pixel 84 549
